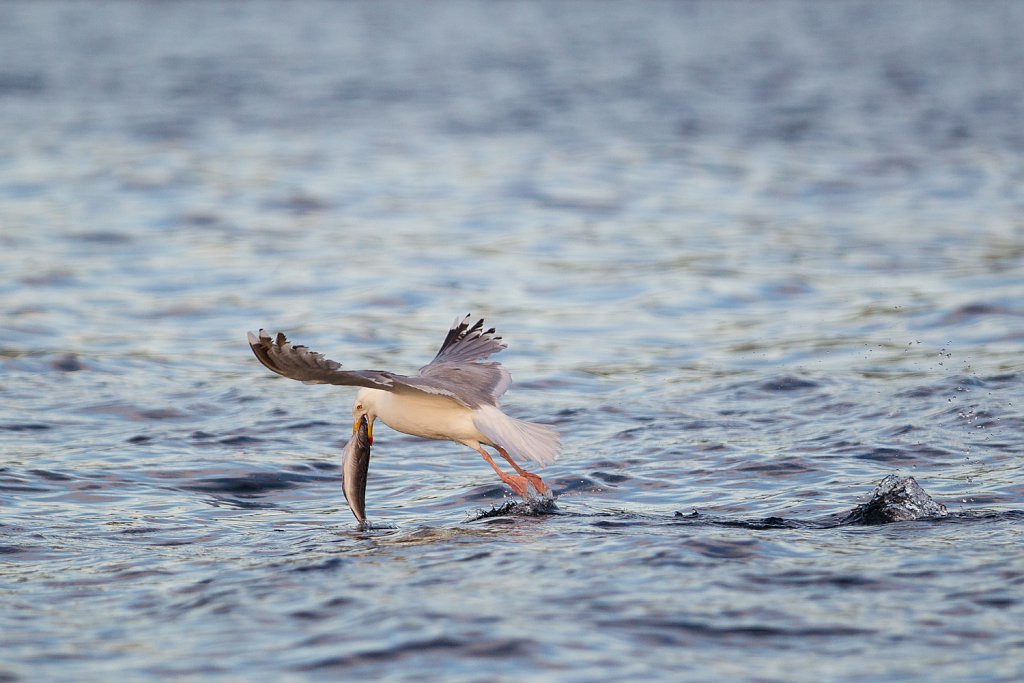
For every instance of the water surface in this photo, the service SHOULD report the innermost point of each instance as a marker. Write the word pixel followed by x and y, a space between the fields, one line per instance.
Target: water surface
pixel 749 259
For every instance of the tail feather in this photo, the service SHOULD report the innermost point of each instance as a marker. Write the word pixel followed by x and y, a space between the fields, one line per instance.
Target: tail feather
pixel 523 440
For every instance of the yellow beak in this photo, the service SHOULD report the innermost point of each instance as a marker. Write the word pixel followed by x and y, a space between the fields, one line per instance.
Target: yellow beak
pixel 369 427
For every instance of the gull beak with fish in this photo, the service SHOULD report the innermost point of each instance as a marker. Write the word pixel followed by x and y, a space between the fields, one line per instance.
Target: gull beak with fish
pixel 453 398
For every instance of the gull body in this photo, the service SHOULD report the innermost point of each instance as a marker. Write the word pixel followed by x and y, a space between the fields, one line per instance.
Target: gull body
pixel 453 398
pixel 431 417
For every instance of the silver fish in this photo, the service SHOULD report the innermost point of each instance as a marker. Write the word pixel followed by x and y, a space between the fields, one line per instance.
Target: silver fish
pixel 354 466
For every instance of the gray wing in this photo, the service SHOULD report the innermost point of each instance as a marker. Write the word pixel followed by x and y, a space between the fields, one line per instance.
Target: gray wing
pixel 298 362
pixel 464 343
pixel 455 370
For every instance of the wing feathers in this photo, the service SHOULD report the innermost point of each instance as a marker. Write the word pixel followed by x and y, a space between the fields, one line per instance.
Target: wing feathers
pixel 300 363
pixel 466 343
pixel 455 371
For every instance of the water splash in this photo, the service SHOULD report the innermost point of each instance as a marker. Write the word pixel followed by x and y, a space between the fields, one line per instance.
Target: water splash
pixel 896 499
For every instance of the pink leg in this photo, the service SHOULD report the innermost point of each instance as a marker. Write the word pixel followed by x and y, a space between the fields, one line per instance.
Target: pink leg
pixel 520 484
pixel 537 482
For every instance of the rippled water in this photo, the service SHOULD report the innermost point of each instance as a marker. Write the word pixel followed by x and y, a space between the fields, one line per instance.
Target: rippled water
pixel 750 258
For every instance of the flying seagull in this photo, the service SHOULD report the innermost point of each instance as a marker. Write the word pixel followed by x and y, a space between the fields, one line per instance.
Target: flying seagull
pixel 453 398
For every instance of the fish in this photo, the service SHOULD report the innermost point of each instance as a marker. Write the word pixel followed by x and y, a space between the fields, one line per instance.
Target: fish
pixel 355 465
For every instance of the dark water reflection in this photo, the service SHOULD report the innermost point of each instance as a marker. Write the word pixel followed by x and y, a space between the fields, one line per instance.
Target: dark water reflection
pixel 750 259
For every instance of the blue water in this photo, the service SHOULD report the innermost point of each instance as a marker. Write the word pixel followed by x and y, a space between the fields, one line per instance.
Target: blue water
pixel 749 258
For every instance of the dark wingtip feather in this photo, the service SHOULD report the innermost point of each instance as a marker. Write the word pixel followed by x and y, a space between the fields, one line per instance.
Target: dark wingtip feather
pixel 261 348
pixel 469 343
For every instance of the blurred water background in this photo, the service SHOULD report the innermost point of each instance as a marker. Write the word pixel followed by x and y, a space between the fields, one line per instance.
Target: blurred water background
pixel 749 259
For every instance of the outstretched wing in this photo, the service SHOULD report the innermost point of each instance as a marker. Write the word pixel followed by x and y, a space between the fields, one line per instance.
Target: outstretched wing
pixel 464 343
pixel 456 367
pixel 454 373
pixel 299 362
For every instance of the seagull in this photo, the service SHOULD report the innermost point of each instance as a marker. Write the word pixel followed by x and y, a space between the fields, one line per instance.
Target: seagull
pixel 452 398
